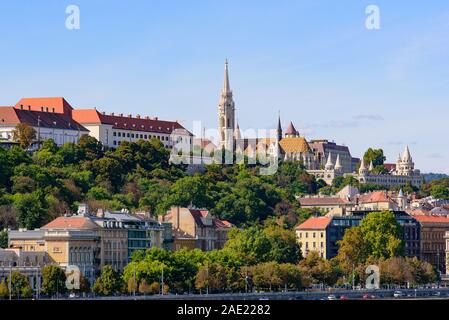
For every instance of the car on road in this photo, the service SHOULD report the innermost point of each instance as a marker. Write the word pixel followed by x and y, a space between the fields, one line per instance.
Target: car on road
pixel 368 296
pixel 344 297
pixel 436 294
pixel 398 294
pixel 331 297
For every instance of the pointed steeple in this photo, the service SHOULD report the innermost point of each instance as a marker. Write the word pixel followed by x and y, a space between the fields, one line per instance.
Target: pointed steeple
pixel 401 193
pixel 237 135
pixel 226 113
pixel 362 169
pixel 371 166
pixel 279 129
pixel 329 165
pixel 407 157
pixel 291 131
pixel 338 165
pixel 226 86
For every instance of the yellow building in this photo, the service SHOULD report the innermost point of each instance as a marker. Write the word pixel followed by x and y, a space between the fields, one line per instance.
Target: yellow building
pixel 196 228
pixel 312 236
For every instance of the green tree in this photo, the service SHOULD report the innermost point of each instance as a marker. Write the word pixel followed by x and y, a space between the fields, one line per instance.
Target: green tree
pixel 109 283
pixel 376 156
pixel 382 235
pixel 4 239
pixel 4 291
pixel 30 210
pixel 211 276
pixel 440 192
pixel 20 287
pixel 53 280
pixel 24 134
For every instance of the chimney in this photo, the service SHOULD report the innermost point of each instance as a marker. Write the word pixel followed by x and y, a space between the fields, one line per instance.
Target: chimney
pixel 138 116
pixel 130 115
pixel 112 113
pixel 104 113
pixel 121 114
pixel 147 117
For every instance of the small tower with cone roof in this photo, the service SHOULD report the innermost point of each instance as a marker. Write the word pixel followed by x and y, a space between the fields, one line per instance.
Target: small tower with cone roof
pixel 338 167
pixel 329 165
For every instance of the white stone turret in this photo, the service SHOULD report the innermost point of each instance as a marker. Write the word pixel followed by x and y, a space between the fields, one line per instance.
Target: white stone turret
pixel 338 166
pixel 363 170
pixel 371 167
pixel 401 200
pixel 329 165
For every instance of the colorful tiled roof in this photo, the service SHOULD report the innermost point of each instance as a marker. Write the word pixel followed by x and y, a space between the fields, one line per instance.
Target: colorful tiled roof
pixel 315 223
pixel 294 145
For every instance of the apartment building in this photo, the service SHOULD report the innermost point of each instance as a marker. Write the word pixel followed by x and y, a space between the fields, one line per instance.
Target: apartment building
pixel 196 228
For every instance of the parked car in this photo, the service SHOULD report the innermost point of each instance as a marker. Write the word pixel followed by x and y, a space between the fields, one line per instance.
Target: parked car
pixel 398 294
pixel 344 298
pixel 331 297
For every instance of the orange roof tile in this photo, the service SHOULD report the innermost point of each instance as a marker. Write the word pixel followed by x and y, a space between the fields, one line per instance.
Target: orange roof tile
pixel 375 196
pixel 329 201
pixel 73 223
pixel 58 104
pixel 314 223
pixel 431 219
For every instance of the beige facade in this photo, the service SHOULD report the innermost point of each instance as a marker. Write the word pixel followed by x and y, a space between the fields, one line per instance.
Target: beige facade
pixel 196 228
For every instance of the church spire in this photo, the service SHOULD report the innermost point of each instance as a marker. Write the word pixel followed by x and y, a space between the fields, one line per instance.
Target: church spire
pixel 279 129
pixel 226 113
pixel 226 86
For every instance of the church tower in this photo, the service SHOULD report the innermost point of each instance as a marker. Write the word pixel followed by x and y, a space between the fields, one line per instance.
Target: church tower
pixel 226 114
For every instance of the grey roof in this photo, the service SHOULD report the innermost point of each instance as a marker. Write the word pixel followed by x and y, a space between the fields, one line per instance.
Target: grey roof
pixel 26 234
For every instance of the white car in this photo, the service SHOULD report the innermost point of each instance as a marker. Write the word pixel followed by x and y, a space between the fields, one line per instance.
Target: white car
pixel 398 294
pixel 331 297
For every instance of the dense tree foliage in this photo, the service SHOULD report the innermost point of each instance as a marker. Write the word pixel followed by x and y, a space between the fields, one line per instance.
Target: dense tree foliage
pixel 53 280
pixel 377 237
pixel 37 187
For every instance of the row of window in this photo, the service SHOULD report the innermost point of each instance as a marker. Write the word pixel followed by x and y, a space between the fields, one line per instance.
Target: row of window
pixel 314 245
pixel 137 136
pixel 313 234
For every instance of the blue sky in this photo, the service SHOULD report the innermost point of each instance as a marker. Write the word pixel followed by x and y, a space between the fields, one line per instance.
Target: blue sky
pixel 313 60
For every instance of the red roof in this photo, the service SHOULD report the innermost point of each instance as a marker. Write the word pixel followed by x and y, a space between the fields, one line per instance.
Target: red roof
pixel 390 166
pixel 93 116
pixel 375 196
pixel 13 116
pixel 314 223
pixel 327 201
pixel 431 219
pixel 72 223
pixel 221 223
pixel 54 104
